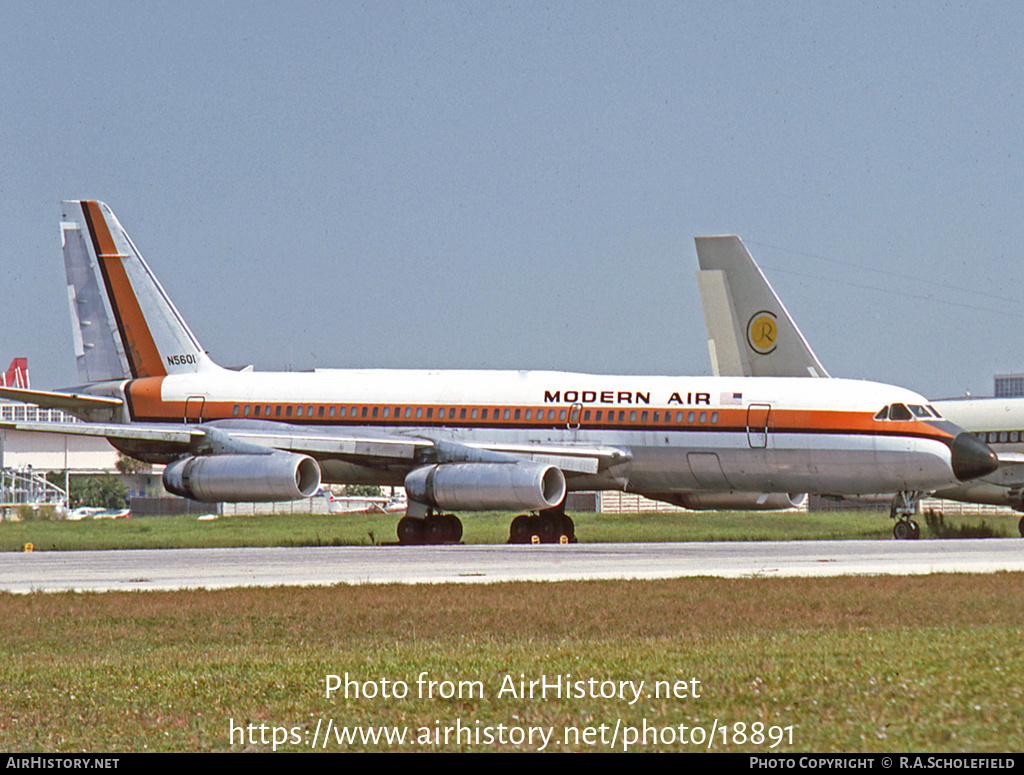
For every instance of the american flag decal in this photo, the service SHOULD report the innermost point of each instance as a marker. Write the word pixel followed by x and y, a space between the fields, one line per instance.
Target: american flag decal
pixel 731 399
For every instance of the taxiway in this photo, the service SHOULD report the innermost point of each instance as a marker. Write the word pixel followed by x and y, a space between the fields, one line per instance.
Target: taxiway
pixel 172 569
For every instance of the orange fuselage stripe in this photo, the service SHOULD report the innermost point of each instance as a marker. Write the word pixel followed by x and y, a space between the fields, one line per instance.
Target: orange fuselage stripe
pixel 148 405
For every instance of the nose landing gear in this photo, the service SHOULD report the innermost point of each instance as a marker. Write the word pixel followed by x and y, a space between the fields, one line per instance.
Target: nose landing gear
pixel 903 508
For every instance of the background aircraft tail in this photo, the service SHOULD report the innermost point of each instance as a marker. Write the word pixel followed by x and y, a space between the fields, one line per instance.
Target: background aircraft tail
pixel 122 321
pixel 750 333
pixel 17 374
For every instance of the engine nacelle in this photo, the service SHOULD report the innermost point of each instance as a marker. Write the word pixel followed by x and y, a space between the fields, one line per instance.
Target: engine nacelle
pixel 280 476
pixel 485 486
pixel 733 501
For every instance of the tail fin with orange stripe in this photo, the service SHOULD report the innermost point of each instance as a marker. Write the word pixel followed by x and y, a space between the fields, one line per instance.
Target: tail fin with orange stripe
pixel 123 323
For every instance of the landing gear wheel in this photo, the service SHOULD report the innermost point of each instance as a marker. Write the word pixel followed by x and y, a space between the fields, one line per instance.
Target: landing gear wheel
pixel 454 528
pixel 568 529
pixel 411 531
pixel 442 529
pixel 522 529
pixel 435 530
pixel 550 528
pixel 906 530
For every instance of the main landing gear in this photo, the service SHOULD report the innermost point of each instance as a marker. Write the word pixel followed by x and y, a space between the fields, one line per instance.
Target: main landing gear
pixel 431 529
pixel 549 527
pixel 904 506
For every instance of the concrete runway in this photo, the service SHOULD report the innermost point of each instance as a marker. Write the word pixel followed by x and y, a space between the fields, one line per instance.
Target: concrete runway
pixel 170 569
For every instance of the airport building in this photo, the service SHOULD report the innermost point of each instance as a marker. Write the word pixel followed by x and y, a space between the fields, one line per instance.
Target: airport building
pixel 1009 386
pixel 44 452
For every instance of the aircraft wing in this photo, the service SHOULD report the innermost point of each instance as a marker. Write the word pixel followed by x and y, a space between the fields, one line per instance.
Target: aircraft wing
pixel 183 434
pixel 356 446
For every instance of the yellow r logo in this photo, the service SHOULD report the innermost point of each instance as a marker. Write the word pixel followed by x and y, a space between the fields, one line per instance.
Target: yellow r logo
pixel 762 332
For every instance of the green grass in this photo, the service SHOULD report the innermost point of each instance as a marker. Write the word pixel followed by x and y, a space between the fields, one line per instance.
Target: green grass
pixel 854 664
pixel 923 663
pixel 487 528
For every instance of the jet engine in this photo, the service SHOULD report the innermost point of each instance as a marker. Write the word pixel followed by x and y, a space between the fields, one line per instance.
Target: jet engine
pixel 279 476
pixel 484 486
pixel 732 501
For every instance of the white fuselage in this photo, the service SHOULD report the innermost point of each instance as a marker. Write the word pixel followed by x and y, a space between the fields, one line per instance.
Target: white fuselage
pixel 675 434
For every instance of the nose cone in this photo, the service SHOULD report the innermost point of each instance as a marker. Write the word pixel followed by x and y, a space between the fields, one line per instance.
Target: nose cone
pixel 972 458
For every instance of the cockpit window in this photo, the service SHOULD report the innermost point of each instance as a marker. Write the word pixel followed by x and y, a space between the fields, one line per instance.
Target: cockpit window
pixel 935 411
pixel 919 411
pixel 883 413
pixel 900 412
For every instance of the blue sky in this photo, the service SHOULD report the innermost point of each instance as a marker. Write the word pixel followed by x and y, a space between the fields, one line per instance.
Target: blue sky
pixel 467 185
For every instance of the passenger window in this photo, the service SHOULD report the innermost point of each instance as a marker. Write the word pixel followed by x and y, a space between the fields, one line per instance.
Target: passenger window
pixel 703 416
pixel 376 410
pixel 561 416
pixel 440 413
pixel 234 412
pixel 408 411
pixel 1004 436
pixel 586 416
pixel 517 414
pixel 506 414
pixel 419 412
pixel 714 417
pixel 632 416
pixel 679 417
pixel 330 411
pixel 341 411
pixel 643 417
pixel 364 411
pixel 387 411
pixel 277 411
pixel 256 410
pixel 320 411
pixel 462 413
pixel 483 414
pixel 551 414
pixel 529 414
pixel 473 414
pixel 430 413
pixel 245 411
pixel 690 417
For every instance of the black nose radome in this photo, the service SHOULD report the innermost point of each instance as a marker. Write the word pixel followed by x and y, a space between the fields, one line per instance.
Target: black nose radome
pixel 972 458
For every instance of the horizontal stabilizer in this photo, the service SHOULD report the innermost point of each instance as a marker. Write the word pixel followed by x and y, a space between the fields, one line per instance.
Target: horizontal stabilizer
pixel 86 407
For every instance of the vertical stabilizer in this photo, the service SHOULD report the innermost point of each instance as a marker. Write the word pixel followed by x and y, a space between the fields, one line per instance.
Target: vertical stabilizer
pixel 123 324
pixel 17 374
pixel 750 332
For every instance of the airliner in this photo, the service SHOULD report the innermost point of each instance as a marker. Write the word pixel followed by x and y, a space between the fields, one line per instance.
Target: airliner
pixel 462 440
pixel 750 333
